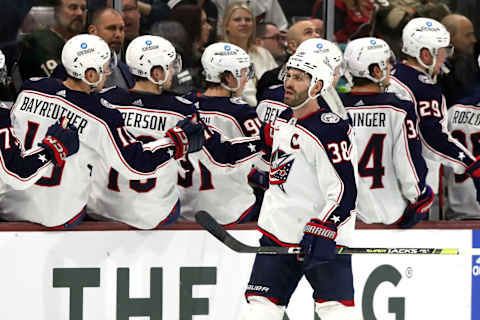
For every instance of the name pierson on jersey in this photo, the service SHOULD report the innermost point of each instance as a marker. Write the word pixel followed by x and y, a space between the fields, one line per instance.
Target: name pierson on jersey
pixel 466 117
pixel 48 109
pixel 368 119
pixel 144 120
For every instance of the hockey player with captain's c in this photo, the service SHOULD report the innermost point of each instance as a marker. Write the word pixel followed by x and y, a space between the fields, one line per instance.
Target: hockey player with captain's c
pixel 327 51
pixel 101 130
pixel 150 112
pixel 426 44
pixel 391 168
pixel 311 201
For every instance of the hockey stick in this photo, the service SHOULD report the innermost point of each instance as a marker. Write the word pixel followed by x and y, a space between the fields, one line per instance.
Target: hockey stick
pixel 204 219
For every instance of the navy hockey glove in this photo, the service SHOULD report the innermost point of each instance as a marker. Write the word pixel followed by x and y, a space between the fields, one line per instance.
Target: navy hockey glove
pixel 60 142
pixel 187 136
pixel 474 169
pixel 258 179
pixel 266 135
pixel 417 211
pixel 318 243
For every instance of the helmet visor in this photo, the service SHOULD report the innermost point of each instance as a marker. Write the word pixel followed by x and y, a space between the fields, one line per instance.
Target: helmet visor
pixel 176 64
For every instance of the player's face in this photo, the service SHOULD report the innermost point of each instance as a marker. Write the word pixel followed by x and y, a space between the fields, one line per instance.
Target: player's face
pixel 131 17
pixel 72 15
pixel 240 25
pixel 296 84
pixel 441 57
pixel 111 28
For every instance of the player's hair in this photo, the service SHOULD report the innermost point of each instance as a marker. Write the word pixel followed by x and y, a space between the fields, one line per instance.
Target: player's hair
pixel 357 81
pixel 222 76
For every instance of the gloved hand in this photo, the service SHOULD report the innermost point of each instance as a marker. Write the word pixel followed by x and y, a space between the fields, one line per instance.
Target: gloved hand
pixel 187 136
pixel 318 243
pixel 474 169
pixel 266 135
pixel 417 211
pixel 258 179
pixel 60 141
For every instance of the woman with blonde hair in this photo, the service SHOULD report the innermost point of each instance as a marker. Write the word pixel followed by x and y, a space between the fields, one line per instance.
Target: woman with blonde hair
pixel 239 28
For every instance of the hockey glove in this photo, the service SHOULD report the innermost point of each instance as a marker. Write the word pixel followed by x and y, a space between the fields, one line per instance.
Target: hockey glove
pixel 187 136
pixel 474 169
pixel 258 179
pixel 417 211
pixel 60 142
pixel 318 243
pixel 266 135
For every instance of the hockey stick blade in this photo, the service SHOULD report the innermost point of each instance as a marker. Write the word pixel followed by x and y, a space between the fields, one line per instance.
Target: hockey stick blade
pixel 211 225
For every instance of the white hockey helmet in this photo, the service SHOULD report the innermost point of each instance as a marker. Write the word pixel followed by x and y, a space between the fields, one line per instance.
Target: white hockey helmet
pixel 361 53
pixel 147 52
pixel 84 52
pixel 425 33
pixel 326 50
pixel 220 57
pixel 308 62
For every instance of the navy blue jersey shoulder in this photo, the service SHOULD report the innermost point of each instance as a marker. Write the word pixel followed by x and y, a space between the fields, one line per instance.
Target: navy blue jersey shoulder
pixel 234 107
pixel 326 126
pixel 421 84
pixel 166 101
pixel 274 93
pixel 351 100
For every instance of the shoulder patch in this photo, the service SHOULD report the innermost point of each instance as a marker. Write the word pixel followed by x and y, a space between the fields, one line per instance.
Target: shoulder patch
pixel 34 79
pixel 106 104
pixel 425 79
pixel 330 117
pixel 237 100
pixel 183 100
pixel 107 89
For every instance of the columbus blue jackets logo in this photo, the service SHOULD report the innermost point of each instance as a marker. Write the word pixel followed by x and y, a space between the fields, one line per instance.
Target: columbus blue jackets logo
pixel 281 165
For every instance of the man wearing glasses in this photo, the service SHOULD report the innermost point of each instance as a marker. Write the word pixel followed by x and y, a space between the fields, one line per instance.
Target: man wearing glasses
pixel 270 38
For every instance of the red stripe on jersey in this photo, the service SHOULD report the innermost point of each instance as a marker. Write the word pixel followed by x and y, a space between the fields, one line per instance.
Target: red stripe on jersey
pixel 275 239
pixel 346 303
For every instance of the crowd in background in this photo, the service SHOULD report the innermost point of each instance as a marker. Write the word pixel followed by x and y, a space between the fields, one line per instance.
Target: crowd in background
pixel 34 32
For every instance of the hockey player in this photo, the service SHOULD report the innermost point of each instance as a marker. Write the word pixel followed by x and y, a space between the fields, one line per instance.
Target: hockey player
pixel 227 68
pixel 464 125
pixel 58 200
pixel 21 170
pixel 391 168
pixel 328 52
pixel 310 201
pixel 149 111
pixel 426 43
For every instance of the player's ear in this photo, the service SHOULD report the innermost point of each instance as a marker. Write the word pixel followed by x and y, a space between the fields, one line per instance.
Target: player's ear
pixel 91 75
pixel 426 56
pixel 92 29
pixel 377 73
pixel 317 87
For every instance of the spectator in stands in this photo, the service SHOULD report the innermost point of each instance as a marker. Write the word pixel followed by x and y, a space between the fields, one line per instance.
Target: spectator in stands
pixel 319 27
pixel 269 37
pixel 262 10
pixel 239 28
pixel 189 79
pixel 190 16
pixel 153 11
pixel 107 23
pixel 296 34
pixel 458 83
pixel 393 17
pixel 42 49
pixel 131 17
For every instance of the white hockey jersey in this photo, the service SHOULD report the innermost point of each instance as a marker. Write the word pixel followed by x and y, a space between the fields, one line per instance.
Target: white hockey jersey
pixel 207 183
pixel 311 176
pixel 62 195
pixel 391 169
pixel 464 125
pixel 147 203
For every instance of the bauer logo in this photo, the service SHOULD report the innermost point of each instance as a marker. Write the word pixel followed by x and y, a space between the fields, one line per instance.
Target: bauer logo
pixel 476 276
